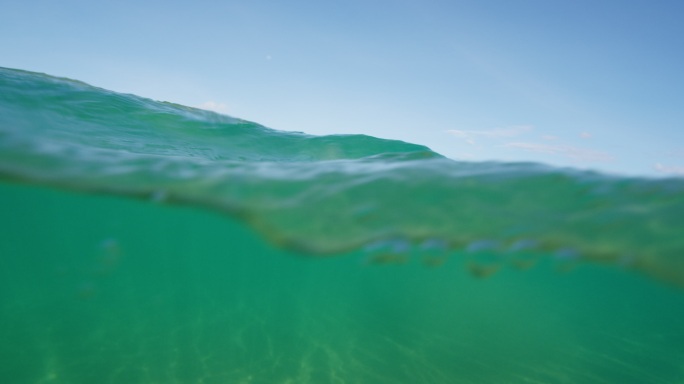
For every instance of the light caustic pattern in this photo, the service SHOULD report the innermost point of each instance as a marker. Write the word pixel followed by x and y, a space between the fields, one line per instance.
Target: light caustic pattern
pixel 131 292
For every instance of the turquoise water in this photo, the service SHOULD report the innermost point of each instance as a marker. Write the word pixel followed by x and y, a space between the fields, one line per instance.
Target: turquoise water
pixel 147 242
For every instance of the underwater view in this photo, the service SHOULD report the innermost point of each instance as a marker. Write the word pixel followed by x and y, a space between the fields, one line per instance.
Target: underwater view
pixel 149 242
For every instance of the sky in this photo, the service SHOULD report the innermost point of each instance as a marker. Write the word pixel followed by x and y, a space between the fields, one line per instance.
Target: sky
pixel 590 84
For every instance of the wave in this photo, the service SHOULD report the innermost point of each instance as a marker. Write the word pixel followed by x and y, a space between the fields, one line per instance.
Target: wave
pixel 323 195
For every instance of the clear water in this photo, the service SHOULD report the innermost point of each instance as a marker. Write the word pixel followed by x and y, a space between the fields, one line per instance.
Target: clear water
pixel 144 242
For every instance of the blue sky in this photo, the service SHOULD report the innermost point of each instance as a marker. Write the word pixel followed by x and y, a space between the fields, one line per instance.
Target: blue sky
pixel 587 84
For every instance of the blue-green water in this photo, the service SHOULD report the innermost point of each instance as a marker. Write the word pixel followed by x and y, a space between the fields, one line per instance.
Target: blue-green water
pixel 146 242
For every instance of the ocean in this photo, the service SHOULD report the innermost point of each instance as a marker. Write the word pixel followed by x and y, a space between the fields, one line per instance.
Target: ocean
pixel 149 242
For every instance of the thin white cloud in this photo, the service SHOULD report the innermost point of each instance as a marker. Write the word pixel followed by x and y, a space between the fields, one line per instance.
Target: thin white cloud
pixel 214 106
pixel 575 153
pixel 470 136
pixel 671 170
pixel 585 135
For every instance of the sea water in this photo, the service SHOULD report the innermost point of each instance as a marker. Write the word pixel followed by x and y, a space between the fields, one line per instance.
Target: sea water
pixel 146 242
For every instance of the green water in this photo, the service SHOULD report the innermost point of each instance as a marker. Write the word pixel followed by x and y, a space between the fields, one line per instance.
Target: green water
pixel 146 242
pixel 98 289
